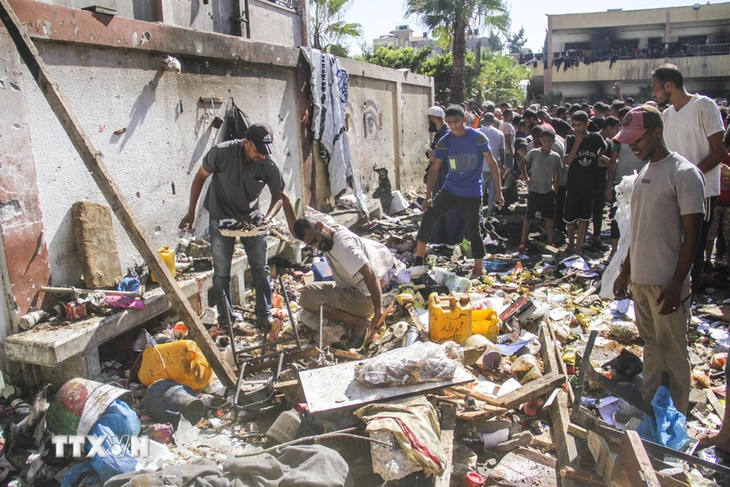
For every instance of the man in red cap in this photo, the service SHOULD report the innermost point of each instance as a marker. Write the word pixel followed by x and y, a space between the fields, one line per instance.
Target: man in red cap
pixel 667 206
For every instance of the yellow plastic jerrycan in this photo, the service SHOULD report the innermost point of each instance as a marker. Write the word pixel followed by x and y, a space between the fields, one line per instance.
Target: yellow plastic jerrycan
pixel 181 361
pixel 168 257
pixel 485 322
pixel 449 317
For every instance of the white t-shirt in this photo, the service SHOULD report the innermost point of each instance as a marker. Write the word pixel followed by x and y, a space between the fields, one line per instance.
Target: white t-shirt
pixel 686 132
pixel 664 191
pixel 508 129
pixel 350 252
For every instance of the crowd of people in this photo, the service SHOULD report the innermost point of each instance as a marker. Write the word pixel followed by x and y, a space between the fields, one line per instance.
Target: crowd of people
pixel 570 158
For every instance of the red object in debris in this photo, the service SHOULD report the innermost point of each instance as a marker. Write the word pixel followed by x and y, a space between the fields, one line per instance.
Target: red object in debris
pixel 75 310
pixel 473 479
pixel 180 330
pixel 570 369
pixel 301 407
pixel 162 433
pixel 532 408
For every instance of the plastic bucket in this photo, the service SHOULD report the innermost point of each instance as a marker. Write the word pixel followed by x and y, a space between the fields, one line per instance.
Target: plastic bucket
pixel 78 406
pixel 166 400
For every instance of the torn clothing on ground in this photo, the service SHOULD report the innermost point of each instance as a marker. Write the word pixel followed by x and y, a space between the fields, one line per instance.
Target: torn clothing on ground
pixel 311 465
pixel 416 428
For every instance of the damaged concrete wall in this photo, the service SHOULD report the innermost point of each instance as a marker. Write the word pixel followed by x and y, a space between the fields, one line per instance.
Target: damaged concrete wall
pixel 112 83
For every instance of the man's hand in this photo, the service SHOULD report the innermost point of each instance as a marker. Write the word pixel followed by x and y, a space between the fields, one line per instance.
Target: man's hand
pixel 621 284
pixel 499 199
pixel 579 136
pixel 374 322
pixel 609 195
pixel 187 221
pixel 426 204
pixel 617 89
pixel 670 298
pixel 529 181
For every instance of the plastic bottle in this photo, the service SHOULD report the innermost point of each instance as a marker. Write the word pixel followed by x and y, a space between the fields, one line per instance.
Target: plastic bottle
pixel 168 257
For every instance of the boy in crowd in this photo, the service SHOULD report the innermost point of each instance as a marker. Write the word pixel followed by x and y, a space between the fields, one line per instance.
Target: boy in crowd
pixel 541 170
pixel 667 206
pixel 497 146
pixel 584 151
pixel 611 126
pixel 721 219
pixel 509 138
pixel 464 150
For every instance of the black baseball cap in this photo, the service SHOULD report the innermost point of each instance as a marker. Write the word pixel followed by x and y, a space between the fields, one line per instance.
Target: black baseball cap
pixel 263 138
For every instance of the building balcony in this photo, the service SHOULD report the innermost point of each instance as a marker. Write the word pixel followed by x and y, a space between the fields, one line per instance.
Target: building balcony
pixel 711 62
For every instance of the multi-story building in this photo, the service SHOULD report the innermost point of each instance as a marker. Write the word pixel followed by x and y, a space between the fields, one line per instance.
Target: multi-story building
pixel 402 36
pixel 589 52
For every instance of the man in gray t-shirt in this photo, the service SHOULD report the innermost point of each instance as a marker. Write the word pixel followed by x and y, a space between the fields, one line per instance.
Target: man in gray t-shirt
pixel 240 169
pixel 667 206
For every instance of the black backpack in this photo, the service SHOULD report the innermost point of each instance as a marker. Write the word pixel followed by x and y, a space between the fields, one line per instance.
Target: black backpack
pixel 236 122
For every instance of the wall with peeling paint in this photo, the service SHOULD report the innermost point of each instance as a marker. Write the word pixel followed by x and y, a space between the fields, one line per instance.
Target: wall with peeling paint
pixel 167 132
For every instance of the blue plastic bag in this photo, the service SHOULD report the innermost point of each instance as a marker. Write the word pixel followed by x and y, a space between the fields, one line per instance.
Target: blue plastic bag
pixel 669 427
pixel 117 421
pixel 129 284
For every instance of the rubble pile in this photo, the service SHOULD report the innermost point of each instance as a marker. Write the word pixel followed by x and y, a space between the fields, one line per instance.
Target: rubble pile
pixel 527 376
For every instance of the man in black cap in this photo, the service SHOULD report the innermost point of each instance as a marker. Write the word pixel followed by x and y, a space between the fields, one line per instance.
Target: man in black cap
pixel 240 168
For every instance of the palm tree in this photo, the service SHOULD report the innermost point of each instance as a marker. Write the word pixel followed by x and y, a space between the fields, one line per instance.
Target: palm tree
pixel 455 18
pixel 329 30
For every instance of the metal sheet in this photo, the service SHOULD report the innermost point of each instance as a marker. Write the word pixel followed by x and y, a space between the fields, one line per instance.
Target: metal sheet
pixel 335 387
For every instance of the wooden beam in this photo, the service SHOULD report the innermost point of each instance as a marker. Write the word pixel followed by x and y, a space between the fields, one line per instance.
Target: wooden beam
pixel 634 466
pixel 95 164
pixel 448 423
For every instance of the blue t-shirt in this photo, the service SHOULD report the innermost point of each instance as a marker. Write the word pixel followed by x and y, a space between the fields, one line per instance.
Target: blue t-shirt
pixel 465 158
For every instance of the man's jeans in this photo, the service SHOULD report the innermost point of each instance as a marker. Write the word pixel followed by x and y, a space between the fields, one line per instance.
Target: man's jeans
pixel 256 250
pixel 490 189
pixel 509 160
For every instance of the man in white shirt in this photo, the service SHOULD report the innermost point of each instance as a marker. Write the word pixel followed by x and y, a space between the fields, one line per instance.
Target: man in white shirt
pixel 357 265
pixel 666 213
pixel 692 127
pixel 508 130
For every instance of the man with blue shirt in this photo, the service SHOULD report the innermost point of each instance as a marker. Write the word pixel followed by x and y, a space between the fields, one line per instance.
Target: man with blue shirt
pixel 464 150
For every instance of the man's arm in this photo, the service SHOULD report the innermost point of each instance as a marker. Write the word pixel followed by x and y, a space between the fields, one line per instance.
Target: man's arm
pixel 574 150
pixel 494 169
pixel 431 181
pixel 291 216
pixel 602 160
pixel 671 295
pixel 274 207
pixel 718 154
pixel 611 175
pixel 621 284
pixel 195 190
pixel 509 142
pixel 376 295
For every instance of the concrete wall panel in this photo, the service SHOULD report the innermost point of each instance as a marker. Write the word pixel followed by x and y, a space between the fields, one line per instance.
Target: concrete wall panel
pixel 274 24
pixel 415 135
pixel 168 131
pixel 372 129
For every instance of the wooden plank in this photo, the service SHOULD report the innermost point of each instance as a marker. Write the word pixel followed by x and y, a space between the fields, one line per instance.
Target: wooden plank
pixel 602 454
pixel 448 423
pixel 634 467
pixel 582 478
pixel 578 431
pixel 567 451
pixel 534 389
pixel 95 164
pixel 715 403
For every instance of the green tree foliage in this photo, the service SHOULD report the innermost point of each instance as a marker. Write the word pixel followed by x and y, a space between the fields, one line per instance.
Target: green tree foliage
pixel 330 32
pixel 494 42
pixel 515 42
pixel 498 77
pixel 457 18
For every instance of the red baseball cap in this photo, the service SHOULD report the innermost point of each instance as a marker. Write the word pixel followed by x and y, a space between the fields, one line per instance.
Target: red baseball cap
pixel 638 121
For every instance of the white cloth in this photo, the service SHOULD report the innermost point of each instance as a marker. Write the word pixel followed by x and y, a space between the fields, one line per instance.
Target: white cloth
pixel 664 191
pixel 508 129
pixel 496 146
pixel 330 85
pixel 686 132
pixel 350 253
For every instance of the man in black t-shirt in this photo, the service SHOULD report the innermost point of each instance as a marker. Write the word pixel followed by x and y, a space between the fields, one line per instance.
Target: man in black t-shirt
pixel 561 127
pixel 584 151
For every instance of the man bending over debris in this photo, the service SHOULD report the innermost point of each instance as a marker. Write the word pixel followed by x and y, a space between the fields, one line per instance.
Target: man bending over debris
pixel 667 206
pixel 240 168
pixel 357 264
pixel 464 150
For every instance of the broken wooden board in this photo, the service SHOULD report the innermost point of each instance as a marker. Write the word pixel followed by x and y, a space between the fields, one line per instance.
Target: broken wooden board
pixel 715 312
pixel 335 387
pixel 529 391
pixel 94 162
pixel 545 248
pixel 448 423
pixel 634 467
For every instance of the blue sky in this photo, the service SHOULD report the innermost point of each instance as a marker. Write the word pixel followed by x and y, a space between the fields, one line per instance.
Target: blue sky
pixel 378 17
